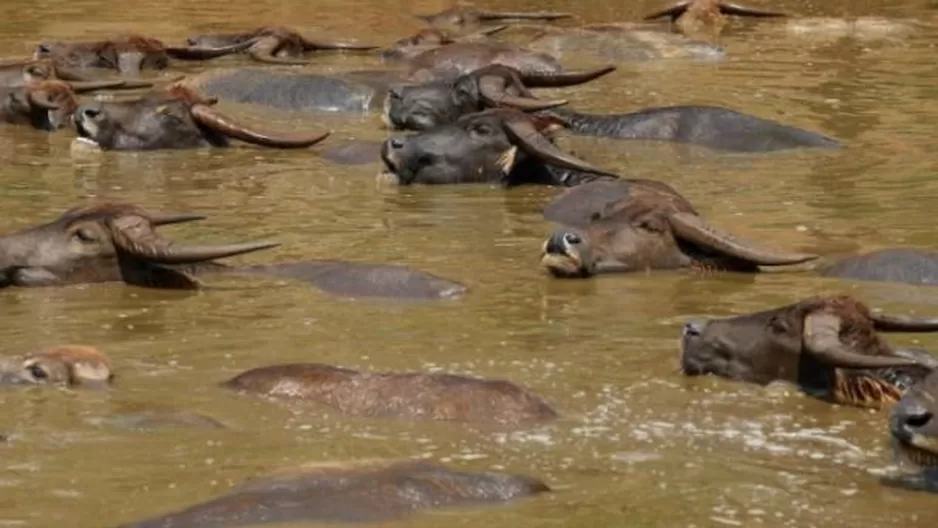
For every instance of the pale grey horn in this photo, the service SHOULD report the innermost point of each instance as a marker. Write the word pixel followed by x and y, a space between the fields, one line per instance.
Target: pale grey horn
pixel 695 229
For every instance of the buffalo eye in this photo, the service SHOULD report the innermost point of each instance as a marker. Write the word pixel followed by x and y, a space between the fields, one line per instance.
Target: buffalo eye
pixel 572 239
pixel 651 225
pixel 85 235
pixel 779 326
pixel 38 372
pixel 482 129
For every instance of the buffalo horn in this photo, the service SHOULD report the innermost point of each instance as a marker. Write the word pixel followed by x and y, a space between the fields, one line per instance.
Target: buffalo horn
pixel 822 339
pixel 509 15
pixel 138 240
pixel 310 45
pixel 223 124
pixel 493 89
pixel 559 79
pixel 904 323
pixel 202 53
pixel 695 229
pixel 521 130
pixel 161 219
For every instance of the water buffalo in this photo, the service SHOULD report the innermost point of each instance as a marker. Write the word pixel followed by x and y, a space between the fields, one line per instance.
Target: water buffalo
pixel 424 106
pixel 828 346
pixel 20 73
pixel 397 395
pixel 500 145
pixel 68 365
pixel 271 44
pixel 377 492
pixel 707 126
pixel 118 242
pixel 461 16
pixel 914 425
pixel 453 60
pixel 125 54
pixel 622 42
pixel 637 225
pixel 430 38
pixel 176 118
pixel 707 17
pixel 911 266
pixel 45 105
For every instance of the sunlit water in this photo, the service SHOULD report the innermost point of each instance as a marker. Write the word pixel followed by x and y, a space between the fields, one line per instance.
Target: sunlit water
pixel 638 445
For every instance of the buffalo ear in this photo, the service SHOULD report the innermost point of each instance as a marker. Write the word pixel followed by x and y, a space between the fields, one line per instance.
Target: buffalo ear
pixel 151 275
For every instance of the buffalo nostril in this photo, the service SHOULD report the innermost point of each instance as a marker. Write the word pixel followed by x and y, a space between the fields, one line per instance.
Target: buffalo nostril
pixel 572 239
pixel 396 143
pixel 916 417
pixel 693 329
pixel 43 48
pixel 90 113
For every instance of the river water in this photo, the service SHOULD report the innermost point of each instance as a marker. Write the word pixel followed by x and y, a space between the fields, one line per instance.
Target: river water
pixel 637 445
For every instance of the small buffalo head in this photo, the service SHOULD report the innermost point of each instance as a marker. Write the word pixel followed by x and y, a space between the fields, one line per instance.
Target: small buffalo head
pixel 829 346
pixel 914 424
pixel 462 16
pixel 500 145
pixel 624 227
pixel 423 106
pixel 108 242
pixel 429 38
pixel 177 118
pixel 68 365
pixel 271 44
pixel 706 17
pixel 125 54
pixel 46 105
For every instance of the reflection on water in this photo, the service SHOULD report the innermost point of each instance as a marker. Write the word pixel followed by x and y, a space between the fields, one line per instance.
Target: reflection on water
pixel 636 443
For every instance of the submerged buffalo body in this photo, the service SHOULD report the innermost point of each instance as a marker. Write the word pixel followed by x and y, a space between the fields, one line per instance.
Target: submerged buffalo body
pixel 461 58
pixel 907 265
pixel 622 43
pixel 914 426
pixel 629 226
pixel 177 118
pixel 271 44
pixel 397 395
pixel 349 493
pixel 497 146
pixel 117 242
pixel 828 346
pixel 462 16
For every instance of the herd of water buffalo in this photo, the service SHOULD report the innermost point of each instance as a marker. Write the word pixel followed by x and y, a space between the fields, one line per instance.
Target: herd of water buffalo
pixel 468 98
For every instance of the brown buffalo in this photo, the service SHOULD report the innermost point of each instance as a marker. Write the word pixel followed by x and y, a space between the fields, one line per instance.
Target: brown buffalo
pixel 125 54
pixel 175 118
pixel 501 145
pixel 707 17
pixel 828 346
pixel 67 365
pixel 397 395
pixel 629 226
pixel 45 105
pixel 271 44
pixel 461 16
pixel 914 424
pixel 348 493
pixel 457 59
pixel 118 242
pixel 431 38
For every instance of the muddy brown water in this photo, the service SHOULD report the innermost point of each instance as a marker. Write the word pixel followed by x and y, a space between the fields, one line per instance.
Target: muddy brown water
pixel 638 445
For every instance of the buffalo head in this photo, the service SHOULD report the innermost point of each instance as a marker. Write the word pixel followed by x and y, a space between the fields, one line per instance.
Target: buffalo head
pixel 177 118
pixel 104 243
pixel 46 105
pixel 828 346
pixel 125 54
pixel 706 17
pixel 624 227
pixel 68 365
pixel 419 107
pixel 21 73
pixel 501 145
pixel 914 424
pixel 272 44
pixel 466 16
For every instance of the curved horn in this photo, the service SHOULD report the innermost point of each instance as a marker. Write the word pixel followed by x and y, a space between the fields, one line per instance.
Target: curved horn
pixel 221 123
pixel 90 86
pixel 515 15
pixel 169 253
pixel 695 229
pixel 199 53
pixel 162 219
pixel 70 74
pixel 674 12
pixel 521 130
pixel 40 98
pixel 487 32
pixel 263 49
pixel 903 323
pixel 567 78
pixel 492 88
pixel 822 339
pixel 310 45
